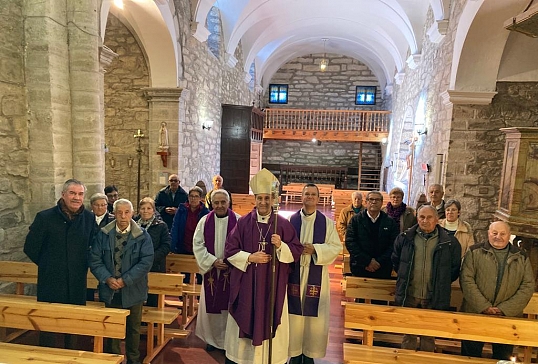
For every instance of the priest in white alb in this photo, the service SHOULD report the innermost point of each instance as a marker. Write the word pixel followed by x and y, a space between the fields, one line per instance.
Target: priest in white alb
pixel 208 248
pixel 309 291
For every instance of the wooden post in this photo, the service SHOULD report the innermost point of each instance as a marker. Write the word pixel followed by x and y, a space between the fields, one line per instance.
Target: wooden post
pixel 360 166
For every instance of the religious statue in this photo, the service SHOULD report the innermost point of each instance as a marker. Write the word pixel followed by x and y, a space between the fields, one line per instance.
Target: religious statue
pixel 163 137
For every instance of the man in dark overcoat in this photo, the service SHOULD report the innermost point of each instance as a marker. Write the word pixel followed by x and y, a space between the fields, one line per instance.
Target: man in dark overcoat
pixel 58 243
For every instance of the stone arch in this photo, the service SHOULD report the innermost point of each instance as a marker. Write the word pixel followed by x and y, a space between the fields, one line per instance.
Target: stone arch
pixel 481 39
pixel 126 110
pixel 154 27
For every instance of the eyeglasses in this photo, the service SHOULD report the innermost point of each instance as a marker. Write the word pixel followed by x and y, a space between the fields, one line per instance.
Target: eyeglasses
pixel 173 180
pixel 195 196
pixel 375 199
pixel 100 205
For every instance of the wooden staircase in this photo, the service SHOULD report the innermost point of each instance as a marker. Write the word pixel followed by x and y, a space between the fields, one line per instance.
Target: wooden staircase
pixel 370 161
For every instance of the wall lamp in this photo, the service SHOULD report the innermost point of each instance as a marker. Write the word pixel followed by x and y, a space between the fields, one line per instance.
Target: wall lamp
pixel 206 127
pixel 112 162
pixel 422 132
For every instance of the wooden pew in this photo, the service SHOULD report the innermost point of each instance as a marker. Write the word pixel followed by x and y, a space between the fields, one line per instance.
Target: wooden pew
pixel 184 263
pixel 160 284
pixel 384 289
pixel 451 325
pixel 242 203
pixel 292 192
pixel 15 353
pixel 23 312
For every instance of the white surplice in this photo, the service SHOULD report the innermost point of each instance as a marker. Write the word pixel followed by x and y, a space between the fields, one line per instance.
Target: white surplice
pixel 210 327
pixel 310 335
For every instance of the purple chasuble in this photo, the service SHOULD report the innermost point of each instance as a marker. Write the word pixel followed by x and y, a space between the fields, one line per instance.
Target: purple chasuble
pixel 250 290
pixel 313 286
pixel 216 286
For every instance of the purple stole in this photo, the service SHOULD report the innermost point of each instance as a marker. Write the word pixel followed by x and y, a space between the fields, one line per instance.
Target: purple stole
pixel 313 287
pixel 216 295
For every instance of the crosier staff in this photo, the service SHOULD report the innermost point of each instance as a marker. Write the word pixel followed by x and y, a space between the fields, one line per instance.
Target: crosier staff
pixel 274 193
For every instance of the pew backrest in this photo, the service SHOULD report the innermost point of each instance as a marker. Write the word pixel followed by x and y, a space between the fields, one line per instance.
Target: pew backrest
pixel 243 203
pixel 384 290
pixel 23 313
pixel 451 325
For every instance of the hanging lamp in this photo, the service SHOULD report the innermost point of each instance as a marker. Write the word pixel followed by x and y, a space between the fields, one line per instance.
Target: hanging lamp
pixel 324 61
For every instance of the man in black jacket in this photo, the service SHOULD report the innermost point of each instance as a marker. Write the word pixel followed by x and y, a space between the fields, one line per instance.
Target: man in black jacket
pixel 369 239
pixel 58 243
pixel 427 261
pixel 169 198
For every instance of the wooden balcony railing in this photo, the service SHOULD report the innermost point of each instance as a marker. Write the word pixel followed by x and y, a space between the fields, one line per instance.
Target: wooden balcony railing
pixel 327 120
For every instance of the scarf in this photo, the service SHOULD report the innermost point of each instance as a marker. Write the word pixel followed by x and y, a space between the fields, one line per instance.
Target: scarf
pixel 145 223
pixel 396 212
pixel 70 215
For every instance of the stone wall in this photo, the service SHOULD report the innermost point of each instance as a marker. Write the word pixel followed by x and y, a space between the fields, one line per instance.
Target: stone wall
pixel 309 88
pixel 476 151
pixel 417 106
pixel 14 182
pixel 209 82
pixel 126 111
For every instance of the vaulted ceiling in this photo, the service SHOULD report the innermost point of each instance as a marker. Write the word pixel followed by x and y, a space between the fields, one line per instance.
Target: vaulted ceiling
pixel 386 35
pixel 383 34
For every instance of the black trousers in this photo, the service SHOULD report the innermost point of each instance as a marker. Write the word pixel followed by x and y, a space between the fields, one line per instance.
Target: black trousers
pixel 474 349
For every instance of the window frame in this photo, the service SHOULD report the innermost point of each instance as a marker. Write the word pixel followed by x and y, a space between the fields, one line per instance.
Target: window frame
pixel 365 90
pixel 280 88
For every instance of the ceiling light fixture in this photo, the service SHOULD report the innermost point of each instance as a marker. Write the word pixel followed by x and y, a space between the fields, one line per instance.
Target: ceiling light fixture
pixel 119 4
pixel 324 61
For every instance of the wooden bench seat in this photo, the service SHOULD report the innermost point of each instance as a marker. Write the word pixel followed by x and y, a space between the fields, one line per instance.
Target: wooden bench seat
pixel 160 284
pixel 29 314
pixel 451 325
pixel 185 263
pixel 383 290
pixel 361 354
pixel 15 353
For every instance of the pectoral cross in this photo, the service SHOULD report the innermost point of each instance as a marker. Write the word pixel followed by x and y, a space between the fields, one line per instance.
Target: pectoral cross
pixel 262 244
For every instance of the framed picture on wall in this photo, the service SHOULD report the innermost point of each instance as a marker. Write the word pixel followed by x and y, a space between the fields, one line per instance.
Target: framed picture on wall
pixel 278 93
pixel 365 95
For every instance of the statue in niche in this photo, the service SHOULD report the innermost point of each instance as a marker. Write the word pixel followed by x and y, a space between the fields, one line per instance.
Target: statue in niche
pixel 163 138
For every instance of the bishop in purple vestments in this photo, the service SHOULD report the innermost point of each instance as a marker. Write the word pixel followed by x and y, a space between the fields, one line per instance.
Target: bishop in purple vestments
pixel 249 248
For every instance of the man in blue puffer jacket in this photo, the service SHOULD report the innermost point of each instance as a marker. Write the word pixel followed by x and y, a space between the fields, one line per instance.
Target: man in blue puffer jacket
pixel 121 257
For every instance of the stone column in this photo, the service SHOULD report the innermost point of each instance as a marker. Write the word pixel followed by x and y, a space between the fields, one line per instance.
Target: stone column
pixel 84 79
pixel 106 56
pixel 163 107
pixel 49 112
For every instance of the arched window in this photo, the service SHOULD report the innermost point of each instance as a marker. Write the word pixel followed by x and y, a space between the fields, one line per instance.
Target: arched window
pixel 214 27
pixel 252 73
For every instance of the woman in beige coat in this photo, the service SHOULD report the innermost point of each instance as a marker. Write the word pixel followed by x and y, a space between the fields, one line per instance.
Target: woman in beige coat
pixel 456 226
